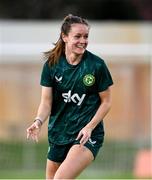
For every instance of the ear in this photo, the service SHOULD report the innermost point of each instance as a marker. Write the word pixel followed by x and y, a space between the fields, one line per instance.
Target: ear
pixel 64 37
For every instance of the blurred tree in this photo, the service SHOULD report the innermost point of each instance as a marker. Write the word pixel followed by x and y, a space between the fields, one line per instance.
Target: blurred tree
pixel 91 9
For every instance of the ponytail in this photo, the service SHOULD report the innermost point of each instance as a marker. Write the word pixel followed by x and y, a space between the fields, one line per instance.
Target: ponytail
pixel 54 54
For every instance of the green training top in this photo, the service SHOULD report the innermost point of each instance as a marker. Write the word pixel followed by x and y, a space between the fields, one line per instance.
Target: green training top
pixel 75 94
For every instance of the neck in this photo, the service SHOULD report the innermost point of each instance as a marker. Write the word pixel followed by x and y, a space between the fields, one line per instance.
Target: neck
pixel 73 59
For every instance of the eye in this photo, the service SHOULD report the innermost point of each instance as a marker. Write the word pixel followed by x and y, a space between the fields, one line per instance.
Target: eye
pixel 77 36
pixel 86 36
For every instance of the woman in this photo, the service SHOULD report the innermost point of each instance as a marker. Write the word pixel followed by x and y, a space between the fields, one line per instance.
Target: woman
pixel 76 97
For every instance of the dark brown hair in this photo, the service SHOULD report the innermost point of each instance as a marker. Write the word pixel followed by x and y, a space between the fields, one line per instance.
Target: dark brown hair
pixel 54 54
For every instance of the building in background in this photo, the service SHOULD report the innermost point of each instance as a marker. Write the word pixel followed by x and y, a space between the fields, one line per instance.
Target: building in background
pixel 120 34
pixel 125 47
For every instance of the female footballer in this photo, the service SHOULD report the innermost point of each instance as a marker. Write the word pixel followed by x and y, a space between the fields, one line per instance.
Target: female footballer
pixel 76 97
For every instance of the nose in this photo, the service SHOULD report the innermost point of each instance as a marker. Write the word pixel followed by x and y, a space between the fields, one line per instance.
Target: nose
pixel 83 40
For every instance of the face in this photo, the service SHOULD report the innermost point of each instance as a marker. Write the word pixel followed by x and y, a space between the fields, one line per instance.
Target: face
pixel 77 39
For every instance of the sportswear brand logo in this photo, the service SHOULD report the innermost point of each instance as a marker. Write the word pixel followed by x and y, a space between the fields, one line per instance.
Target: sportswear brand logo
pixel 68 97
pixel 92 142
pixel 58 79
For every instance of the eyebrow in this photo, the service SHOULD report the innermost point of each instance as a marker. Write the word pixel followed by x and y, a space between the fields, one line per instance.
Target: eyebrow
pixel 80 33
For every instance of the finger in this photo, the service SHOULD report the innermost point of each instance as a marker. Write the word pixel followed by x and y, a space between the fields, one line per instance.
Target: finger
pixel 79 135
pixel 83 140
pixel 28 133
pixel 33 137
pixel 36 138
pixel 31 128
pixel 36 126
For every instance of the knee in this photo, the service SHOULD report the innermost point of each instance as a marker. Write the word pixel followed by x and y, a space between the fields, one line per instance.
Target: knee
pixel 64 174
pixel 51 169
pixel 58 176
pixel 50 175
pixel 61 175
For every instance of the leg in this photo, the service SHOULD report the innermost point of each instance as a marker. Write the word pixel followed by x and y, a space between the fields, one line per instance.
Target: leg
pixel 78 158
pixel 51 168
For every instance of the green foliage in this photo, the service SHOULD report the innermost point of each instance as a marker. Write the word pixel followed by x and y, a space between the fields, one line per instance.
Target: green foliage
pixel 40 174
pixel 28 159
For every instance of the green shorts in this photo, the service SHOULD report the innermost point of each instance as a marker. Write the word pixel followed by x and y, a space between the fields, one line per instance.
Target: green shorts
pixel 58 153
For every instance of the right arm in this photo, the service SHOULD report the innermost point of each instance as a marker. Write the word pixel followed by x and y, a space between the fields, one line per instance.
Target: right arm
pixel 44 109
pixel 43 112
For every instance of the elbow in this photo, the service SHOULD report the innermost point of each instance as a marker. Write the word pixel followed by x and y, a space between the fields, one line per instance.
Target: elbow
pixel 107 105
pixel 46 105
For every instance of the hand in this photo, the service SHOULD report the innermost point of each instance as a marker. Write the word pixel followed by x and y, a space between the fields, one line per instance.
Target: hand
pixel 84 135
pixel 33 131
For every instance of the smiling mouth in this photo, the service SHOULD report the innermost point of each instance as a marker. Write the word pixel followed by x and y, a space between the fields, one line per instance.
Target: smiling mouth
pixel 81 47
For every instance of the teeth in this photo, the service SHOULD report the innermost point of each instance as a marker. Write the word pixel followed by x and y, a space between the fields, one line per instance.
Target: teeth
pixel 80 46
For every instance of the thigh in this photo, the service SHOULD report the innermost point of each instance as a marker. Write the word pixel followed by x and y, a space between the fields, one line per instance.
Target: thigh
pixel 51 168
pixel 78 158
pixel 58 153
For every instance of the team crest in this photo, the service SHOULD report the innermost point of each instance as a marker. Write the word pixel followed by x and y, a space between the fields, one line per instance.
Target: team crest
pixel 89 80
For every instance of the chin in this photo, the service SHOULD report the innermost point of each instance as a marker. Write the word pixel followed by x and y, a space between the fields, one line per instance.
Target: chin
pixel 80 52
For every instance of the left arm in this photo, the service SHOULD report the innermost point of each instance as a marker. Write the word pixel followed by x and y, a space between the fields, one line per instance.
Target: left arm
pixel 103 109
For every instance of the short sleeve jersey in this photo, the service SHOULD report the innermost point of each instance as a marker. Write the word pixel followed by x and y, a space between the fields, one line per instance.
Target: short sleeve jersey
pixel 75 94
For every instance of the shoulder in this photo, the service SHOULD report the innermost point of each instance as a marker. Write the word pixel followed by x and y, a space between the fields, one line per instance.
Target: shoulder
pixel 95 59
pixel 45 65
pixel 48 66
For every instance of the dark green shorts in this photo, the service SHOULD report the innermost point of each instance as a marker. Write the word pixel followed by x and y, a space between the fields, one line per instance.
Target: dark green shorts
pixel 58 153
